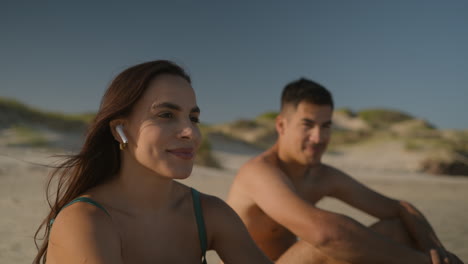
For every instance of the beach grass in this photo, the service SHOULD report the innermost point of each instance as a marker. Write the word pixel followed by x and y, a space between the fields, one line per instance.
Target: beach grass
pixel 13 112
pixel 28 136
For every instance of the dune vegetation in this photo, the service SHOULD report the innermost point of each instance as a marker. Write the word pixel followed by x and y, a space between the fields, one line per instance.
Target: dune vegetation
pixel 444 152
pixel 204 155
pixel 28 136
pixel 382 118
pixel 13 112
pixel 26 126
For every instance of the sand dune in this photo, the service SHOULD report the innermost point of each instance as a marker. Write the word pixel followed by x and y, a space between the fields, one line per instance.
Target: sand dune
pixel 442 199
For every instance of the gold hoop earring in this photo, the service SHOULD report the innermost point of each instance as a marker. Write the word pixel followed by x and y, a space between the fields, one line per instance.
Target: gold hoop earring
pixel 122 146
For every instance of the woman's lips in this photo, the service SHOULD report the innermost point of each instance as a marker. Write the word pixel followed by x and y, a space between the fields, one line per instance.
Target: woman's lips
pixel 183 153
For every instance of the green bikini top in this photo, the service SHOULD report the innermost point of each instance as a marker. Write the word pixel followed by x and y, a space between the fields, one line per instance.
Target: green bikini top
pixel 196 206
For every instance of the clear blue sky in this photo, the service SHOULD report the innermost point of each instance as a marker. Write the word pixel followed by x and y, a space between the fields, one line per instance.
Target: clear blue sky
pixel 406 55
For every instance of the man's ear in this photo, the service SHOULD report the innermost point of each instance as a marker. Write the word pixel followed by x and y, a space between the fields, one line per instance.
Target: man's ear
pixel 280 123
pixel 113 125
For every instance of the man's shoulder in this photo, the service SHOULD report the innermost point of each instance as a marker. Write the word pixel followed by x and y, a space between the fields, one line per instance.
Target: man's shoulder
pixel 327 170
pixel 330 177
pixel 264 163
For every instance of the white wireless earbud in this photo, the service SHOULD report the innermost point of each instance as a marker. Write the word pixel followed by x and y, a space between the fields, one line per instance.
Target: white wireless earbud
pixel 119 129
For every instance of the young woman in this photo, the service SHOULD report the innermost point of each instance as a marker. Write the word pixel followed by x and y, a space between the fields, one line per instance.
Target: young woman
pixel 117 201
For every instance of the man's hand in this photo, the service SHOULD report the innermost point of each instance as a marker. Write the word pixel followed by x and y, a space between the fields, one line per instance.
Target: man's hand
pixel 441 256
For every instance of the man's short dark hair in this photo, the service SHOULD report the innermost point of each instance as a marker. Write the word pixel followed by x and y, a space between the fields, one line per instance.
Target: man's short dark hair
pixel 305 90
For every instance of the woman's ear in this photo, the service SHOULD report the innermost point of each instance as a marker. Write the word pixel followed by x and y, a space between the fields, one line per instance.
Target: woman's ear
pixel 118 134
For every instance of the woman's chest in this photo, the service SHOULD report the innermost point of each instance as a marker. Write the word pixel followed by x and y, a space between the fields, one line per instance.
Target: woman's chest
pixel 161 240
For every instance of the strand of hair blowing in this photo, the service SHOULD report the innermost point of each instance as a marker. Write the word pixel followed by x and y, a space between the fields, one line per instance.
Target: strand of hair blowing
pixel 99 159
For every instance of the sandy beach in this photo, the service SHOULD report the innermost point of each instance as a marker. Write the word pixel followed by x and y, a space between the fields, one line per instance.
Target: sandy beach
pixel 444 200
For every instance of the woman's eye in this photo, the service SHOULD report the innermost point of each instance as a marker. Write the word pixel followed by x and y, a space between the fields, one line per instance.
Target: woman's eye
pixel 166 115
pixel 328 125
pixel 195 119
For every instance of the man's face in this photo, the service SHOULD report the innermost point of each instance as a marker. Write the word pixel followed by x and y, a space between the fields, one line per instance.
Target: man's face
pixel 306 131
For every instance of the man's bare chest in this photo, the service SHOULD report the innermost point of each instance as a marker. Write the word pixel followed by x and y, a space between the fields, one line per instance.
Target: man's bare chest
pixel 311 189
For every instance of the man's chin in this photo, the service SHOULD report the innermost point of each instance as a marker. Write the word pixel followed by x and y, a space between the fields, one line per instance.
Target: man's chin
pixel 314 161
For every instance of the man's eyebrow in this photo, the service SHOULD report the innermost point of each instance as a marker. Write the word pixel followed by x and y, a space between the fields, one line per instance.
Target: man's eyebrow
pixel 173 106
pixel 307 120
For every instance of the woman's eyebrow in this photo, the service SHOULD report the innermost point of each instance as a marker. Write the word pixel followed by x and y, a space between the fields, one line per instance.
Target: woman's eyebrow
pixel 173 106
pixel 167 105
pixel 196 109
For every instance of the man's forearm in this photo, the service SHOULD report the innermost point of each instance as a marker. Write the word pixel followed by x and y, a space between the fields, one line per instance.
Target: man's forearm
pixel 418 227
pixel 353 242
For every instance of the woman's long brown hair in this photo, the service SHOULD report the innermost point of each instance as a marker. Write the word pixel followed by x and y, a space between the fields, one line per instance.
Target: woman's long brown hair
pixel 99 159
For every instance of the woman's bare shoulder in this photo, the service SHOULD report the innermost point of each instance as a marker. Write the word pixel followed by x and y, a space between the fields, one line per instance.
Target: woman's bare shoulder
pixel 84 231
pixel 219 214
pixel 213 204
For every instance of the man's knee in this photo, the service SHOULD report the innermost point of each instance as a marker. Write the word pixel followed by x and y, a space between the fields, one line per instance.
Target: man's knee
pixel 394 229
pixel 303 253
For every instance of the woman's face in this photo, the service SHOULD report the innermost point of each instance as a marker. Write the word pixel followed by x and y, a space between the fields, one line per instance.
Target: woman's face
pixel 163 127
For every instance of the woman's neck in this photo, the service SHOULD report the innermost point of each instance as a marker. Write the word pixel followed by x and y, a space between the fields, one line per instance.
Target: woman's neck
pixel 142 188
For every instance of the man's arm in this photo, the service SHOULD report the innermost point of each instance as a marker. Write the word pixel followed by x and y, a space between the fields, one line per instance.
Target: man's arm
pixel 336 235
pixel 424 235
pixel 359 196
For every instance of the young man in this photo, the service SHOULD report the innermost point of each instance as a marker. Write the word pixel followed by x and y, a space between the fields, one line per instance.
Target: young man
pixel 275 195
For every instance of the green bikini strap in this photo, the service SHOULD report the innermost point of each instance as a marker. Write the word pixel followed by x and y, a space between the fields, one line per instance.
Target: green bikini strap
pixel 200 223
pixel 81 199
